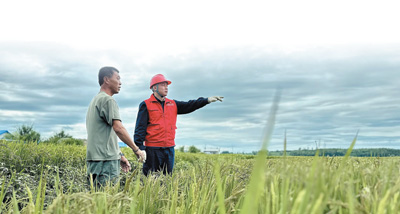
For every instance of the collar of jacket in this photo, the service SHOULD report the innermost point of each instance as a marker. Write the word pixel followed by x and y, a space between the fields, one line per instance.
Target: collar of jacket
pixel 155 99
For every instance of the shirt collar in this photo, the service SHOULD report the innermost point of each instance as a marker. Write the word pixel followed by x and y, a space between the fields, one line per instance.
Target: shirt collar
pixel 157 99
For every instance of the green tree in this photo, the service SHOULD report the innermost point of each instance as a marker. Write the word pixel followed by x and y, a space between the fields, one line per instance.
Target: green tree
pixel 181 149
pixel 62 134
pixel 58 136
pixel 63 138
pixel 25 133
pixel 193 149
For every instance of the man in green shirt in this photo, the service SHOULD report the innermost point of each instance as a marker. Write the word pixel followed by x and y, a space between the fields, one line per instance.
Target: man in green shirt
pixel 104 126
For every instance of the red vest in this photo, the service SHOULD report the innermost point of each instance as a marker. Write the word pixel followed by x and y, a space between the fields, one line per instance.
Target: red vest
pixel 162 124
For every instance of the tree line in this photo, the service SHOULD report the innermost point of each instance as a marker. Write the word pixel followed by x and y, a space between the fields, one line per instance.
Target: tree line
pixel 364 152
pixel 26 133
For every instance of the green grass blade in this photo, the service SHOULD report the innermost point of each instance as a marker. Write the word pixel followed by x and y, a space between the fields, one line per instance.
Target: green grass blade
pixel 220 193
pixel 351 147
pixel 15 204
pixel 284 146
pixel 257 179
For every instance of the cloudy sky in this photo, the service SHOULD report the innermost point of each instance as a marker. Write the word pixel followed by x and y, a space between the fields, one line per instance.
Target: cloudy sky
pixel 336 63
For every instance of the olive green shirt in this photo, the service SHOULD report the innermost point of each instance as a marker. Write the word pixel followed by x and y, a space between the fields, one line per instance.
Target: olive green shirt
pixel 102 141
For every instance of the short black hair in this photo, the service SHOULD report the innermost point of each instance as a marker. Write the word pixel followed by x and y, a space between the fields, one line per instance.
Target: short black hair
pixel 106 72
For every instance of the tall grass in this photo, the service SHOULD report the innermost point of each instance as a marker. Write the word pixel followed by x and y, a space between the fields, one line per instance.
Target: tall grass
pixel 221 183
pixel 20 156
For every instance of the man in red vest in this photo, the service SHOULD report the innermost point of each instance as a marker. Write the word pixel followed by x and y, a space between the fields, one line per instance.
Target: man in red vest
pixel 156 125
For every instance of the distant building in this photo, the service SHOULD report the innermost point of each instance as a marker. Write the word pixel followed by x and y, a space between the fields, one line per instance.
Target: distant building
pixel 211 151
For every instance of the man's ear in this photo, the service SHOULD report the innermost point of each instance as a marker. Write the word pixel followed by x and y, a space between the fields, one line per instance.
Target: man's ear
pixel 106 79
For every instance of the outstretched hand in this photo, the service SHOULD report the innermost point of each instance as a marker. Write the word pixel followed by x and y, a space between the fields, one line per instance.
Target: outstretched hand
pixel 214 98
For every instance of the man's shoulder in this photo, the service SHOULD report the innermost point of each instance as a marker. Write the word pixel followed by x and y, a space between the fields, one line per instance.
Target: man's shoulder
pixel 102 98
pixel 151 98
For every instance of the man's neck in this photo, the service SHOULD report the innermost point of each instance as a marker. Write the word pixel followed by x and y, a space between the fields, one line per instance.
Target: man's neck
pixel 159 97
pixel 106 90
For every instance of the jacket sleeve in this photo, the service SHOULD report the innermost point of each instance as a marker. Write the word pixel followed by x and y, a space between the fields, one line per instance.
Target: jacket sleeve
pixel 141 126
pixel 191 105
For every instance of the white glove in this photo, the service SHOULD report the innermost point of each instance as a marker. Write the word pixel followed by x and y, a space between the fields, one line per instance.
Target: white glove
pixel 214 98
pixel 143 157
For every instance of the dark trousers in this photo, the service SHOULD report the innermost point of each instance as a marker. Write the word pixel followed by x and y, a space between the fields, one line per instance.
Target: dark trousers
pixel 159 159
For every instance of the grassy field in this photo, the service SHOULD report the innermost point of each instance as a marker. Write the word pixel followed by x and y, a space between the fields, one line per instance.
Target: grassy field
pixel 52 179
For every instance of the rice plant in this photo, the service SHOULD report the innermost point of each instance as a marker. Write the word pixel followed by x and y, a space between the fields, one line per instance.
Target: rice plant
pixel 52 179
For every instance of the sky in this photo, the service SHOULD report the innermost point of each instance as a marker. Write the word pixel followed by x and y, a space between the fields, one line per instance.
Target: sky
pixel 336 65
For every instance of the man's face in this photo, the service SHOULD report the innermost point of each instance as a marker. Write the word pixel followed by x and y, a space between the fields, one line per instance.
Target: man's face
pixel 163 88
pixel 115 83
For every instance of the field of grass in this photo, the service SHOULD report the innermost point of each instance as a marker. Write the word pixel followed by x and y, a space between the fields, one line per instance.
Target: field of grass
pixel 52 179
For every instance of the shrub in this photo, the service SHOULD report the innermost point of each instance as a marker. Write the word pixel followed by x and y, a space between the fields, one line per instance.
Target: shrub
pixel 25 133
pixel 71 141
pixel 193 149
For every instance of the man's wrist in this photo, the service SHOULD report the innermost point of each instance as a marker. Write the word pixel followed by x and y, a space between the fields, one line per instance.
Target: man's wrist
pixel 121 154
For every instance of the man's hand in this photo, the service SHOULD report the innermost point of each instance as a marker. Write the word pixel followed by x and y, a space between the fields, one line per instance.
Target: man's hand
pixel 214 98
pixel 141 155
pixel 125 165
pixel 142 159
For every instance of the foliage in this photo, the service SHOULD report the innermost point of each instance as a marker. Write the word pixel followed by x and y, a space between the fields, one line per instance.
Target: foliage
pixel 181 149
pixel 193 149
pixel 71 141
pixel 370 152
pixel 52 178
pixel 23 164
pixel 56 137
pixel 64 138
pixel 19 156
pixel 24 133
